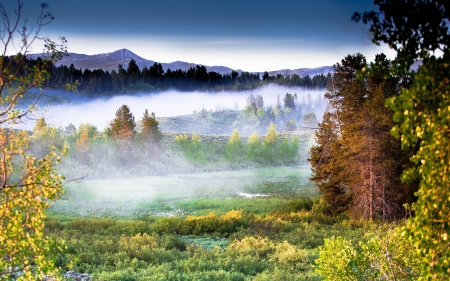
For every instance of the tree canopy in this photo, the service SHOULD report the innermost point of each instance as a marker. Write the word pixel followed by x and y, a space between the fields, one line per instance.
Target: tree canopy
pixel 28 183
pixel 420 30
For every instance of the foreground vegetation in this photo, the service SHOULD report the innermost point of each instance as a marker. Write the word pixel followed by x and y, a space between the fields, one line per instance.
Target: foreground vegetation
pixel 282 243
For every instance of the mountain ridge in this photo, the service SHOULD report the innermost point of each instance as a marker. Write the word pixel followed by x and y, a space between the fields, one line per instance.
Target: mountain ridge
pixel 110 61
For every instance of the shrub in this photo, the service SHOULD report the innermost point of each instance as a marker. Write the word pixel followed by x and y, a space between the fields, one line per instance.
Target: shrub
pixel 232 221
pixel 383 257
pixel 200 224
pixel 301 203
pixel 171 225
pixel 255 246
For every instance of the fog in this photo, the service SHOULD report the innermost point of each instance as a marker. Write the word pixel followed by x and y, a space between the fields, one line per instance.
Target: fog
pixel 100 111
pixel 124 177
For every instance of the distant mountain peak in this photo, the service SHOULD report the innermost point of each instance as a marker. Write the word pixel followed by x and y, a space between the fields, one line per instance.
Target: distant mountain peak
pixel 111 60
pixel 124 54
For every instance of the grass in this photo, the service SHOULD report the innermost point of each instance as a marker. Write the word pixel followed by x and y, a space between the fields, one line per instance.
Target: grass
pixel 200 206
pixel 180 194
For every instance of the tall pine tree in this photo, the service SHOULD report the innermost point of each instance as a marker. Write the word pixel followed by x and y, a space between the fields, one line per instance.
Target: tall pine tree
pixel 355 162
pixel 123 126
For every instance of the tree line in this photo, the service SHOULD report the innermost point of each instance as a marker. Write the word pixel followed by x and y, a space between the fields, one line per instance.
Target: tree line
pixel 267 150
pixel 133 79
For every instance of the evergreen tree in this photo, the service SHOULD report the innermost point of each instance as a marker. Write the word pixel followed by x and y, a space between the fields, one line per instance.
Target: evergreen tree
pixel 133 68
pixel 150 128
pixel 121 78
pixel 355 160
pixel 259 101
pixel 123 126
pixel 133 72
pixel 328 164
pixel 289 101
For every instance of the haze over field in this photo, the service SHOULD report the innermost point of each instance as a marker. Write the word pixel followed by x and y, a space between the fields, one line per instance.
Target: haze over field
pixel 98 112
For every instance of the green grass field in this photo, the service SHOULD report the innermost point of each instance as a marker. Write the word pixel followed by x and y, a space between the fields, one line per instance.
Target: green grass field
pixel 180 194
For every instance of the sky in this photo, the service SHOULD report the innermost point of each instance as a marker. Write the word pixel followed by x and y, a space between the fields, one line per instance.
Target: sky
pixel 241 34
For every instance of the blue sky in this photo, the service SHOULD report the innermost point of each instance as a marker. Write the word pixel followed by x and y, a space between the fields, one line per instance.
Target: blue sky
pixel 248 35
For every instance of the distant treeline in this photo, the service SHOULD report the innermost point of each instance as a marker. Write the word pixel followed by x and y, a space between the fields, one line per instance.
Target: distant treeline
pixel 132 79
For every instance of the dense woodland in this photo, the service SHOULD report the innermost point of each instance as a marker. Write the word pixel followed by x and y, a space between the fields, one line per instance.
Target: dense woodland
pixel 132 79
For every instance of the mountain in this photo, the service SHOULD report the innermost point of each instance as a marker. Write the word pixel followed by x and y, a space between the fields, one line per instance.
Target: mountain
pixel 302 72
pixel 110 61
pixel 107 61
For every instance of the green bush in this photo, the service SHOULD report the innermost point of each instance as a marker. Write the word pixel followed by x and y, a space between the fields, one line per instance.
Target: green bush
pixel 387 256
pixel 301 203
pixel 170 225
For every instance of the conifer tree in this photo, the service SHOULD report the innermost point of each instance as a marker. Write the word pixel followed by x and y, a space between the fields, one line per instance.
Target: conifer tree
pixel 123 126
pixel 328 164
pixel 150 128
pixel 355 161
pixel 289 101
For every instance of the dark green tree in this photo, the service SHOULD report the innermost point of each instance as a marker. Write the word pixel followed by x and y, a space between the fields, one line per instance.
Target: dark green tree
pixel 121 77
pixel 289 101
pixel 133 68
pixel 133 72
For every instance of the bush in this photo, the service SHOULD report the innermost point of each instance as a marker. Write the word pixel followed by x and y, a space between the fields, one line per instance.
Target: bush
pixel 383 257
pixel 171 225
pixel 300 204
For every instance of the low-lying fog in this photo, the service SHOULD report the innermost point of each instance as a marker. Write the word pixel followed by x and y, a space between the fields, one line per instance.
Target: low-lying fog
pixel 68 108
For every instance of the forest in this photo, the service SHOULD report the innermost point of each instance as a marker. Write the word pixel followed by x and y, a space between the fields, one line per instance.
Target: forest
pixel 97 82
pixel 360 193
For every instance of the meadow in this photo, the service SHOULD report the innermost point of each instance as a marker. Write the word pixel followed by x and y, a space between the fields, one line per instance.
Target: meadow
pixel 177 194
pixel 259 224
pixel 185 206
